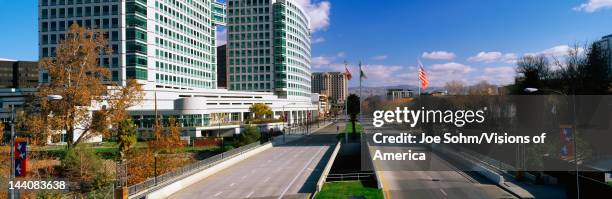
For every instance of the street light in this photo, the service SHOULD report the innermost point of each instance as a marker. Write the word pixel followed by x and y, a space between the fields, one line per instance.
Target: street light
pixel 533 90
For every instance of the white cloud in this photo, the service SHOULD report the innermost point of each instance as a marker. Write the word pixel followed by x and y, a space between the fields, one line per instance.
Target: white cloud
pixel 594 5
pixel 317 40
pixel 439 74
pixel 451 67
pixel 557 51
pixel 439 55
pixel 3 59
pixel 380 57
pixel 503 75
pixel 322 61
pixel 377 74
pixel 318 12
pixel 488 57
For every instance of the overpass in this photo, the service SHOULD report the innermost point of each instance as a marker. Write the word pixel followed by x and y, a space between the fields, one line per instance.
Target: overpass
pixel 285 171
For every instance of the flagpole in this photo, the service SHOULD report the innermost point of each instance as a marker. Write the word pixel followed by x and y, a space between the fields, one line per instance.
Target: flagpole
pixel 418 80
pixel 361 76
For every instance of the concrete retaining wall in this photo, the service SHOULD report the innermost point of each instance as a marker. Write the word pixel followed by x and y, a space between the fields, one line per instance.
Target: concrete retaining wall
pixel 174 187
pixel 482 170
pixel 328 167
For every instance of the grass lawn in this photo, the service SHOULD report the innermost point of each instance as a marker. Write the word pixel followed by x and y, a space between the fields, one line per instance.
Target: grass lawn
pixel 349 129
pixel 348 189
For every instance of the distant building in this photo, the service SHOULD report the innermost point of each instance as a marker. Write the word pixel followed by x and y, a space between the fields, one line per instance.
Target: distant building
pixel 18 74
pixel 439 93
pixel 222 66
pixel 606 44
pixel 396 93
pixel 323 103
pixel 332 84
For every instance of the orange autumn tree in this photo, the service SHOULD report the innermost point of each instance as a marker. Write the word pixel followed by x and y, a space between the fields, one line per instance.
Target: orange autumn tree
pixel 76 75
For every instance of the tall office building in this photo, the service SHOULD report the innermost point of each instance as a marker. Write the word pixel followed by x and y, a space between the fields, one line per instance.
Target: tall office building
pixel 269 47
pixel 606 44
pixel 222 66
pixel 169 46
pixel 18 74
pixel 332 84
pixel 166 43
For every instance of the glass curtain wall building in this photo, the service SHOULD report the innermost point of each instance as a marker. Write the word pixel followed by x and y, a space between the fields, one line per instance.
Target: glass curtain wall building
pixel 268 47
pixel 167 43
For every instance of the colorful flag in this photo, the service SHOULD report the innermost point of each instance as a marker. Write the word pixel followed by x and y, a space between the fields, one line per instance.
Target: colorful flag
pixel 348 74
pixel 423 77
pixel 21 159
pixel 362 74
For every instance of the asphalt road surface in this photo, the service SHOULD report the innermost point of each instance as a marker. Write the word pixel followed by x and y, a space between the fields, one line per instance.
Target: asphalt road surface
pixel 284 171
pixel 434 178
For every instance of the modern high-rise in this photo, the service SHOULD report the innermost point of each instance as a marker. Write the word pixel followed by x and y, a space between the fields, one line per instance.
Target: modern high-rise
pixel 166 43
pixel 269 47
pixel 222 66
pixel 332 84
pixel 169 46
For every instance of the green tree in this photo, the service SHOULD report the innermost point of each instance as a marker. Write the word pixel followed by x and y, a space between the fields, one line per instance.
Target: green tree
pixel 353 109
pixel 249 135
pixel 533 72
pixel 81 164
pixel 260 110
pixel 126 136
pixel 593 72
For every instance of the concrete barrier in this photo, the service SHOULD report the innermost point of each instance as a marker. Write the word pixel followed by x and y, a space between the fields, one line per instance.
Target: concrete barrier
pixel 174 187
pixel 474 166
pixel 327 168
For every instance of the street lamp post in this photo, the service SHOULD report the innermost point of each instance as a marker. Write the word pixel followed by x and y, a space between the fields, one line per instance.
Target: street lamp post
pixel 574 136
pixel 12 146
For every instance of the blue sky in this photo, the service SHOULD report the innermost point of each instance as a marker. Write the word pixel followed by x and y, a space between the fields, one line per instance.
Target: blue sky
pixel 389 36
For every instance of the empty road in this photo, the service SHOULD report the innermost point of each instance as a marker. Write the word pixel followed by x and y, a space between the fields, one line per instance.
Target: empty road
pixel 284 171
pixel 434 178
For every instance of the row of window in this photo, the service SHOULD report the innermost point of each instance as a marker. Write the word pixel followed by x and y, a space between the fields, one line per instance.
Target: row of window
pixel 73 2
pixel 250 86
pixel 52 13
pixel 247 3
pixel 106 23
pixel 249 53
pixel 244 78
pixel 250 61
pixel 182 81
pixel 249 69
pixel 182 70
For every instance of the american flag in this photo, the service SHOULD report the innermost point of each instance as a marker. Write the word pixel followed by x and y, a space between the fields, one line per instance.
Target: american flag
pixel 423 77
pixel 348 74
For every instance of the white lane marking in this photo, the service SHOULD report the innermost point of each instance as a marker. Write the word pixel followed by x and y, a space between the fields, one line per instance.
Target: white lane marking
pixel 243 177
pixel 300 173
pixel 249 195
pixel 218 193
pixel 266 180
pixel 231 185
pixel 443 192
